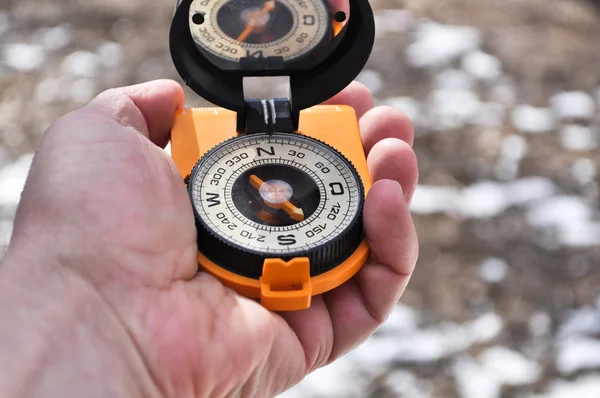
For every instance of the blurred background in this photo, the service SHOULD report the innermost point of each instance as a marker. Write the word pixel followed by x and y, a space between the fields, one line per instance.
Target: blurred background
pixel 505 97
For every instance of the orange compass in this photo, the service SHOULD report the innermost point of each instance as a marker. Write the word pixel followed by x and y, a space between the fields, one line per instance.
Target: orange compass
pixel 277 183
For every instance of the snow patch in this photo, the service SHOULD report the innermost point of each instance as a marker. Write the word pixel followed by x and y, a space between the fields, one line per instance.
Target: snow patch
pixel 573 105
pixel 12 181
pixel 578 138
pixel 509 367
pixel 81 63
pixel 481 65
pixel 110 54
pixel 438 44
pixel 576 354
pixel 372 79
pixel 23 57
pixel 493 270
pixel 54 38
pixel 533 120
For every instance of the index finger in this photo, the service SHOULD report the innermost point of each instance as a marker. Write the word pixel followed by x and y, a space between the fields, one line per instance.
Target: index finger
pixel 356 95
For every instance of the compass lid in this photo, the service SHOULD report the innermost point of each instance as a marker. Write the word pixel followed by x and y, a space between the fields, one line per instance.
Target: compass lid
pixel 320 45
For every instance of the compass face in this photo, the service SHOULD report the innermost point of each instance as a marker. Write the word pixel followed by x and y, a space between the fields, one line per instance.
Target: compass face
pixel 278 195
pixel 236 29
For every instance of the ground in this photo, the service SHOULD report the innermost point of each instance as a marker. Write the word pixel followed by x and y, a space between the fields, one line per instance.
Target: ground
pixel 505 301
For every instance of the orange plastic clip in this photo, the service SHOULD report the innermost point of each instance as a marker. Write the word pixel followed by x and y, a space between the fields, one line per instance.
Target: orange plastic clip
pixel 285 286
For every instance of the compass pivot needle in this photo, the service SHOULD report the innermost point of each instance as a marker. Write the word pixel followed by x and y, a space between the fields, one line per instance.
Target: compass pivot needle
pixel 254 20
pixel 294 212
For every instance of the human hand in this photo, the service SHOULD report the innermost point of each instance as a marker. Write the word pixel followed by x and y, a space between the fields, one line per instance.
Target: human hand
pixel 104 254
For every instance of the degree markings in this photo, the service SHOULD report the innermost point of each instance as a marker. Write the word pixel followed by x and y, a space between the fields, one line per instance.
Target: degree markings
pixel 304 241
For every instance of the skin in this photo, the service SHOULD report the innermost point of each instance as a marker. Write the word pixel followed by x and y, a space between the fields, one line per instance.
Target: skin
pixel 99 290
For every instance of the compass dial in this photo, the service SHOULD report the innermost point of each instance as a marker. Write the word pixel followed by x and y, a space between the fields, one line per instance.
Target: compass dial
pixel 234 29
pixel 285 195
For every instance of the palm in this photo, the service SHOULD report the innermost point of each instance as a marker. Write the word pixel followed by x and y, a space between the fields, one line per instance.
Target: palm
pixel 127 208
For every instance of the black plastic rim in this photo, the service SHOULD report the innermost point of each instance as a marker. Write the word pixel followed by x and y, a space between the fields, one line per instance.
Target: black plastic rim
pixel 308 87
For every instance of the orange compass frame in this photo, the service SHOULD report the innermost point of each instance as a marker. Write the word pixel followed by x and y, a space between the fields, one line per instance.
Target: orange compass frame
pixel 283 286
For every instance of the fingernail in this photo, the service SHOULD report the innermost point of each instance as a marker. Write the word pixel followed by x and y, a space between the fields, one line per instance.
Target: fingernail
pixel 400 189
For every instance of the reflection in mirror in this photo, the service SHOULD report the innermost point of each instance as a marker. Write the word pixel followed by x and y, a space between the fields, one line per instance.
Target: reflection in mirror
pixel 267 35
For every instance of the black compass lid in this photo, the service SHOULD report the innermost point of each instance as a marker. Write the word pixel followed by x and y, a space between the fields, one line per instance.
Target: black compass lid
pixel 321 71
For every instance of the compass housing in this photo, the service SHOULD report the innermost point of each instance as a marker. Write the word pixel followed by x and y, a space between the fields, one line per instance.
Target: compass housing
pixel 218 221
pixel 309 86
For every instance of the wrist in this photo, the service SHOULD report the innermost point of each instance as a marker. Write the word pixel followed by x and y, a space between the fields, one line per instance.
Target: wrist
pixel 59 338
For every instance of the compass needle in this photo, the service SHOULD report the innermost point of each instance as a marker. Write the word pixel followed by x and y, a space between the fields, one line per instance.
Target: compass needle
pixel 273 193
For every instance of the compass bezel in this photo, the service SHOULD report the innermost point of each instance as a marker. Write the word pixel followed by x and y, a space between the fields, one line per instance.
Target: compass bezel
pixel 308 87
pixel 228 254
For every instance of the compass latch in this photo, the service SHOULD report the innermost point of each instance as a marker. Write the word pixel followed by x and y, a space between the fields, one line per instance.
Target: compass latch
pixel 285 286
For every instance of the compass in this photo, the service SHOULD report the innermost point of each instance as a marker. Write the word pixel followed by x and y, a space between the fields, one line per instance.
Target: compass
pixel 280 195
pixel 277 185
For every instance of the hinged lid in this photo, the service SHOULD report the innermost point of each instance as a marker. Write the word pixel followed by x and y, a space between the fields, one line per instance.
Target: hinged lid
pixel 321 46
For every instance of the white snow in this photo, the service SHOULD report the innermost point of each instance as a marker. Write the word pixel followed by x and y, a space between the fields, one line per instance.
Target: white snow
pixel 509 367
pixel 578 138
pixel 534 120
pixel 504 93
pixel 539 324
pixel 54 38
pixel 586 386
pixel 491 114
pixel 576 354
pixel 528 190
pixel 493 270
pixel 514 147
pixel 402 319
pixel 81 63
pixel 570 216
pixel 110 54
pixel 23 57
pixel 482 199
pixel 392 21
pixel 339 379
pixel 399 341
pixel 481 65
pixel 429 199
pixel 6 228
pixel 406 385
pixel 372 79
pixel 83 90
pixel 453 79
pixel 583 321
pixel 410 106
pixel 559 211
pixel 485 328
pixel 495 367
pixel 47 91
pixel 452 109
pixel 472 381
pixel 573 105
pixel 584 234
pixel 12 181
pixel 438 44
pixel 583 170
